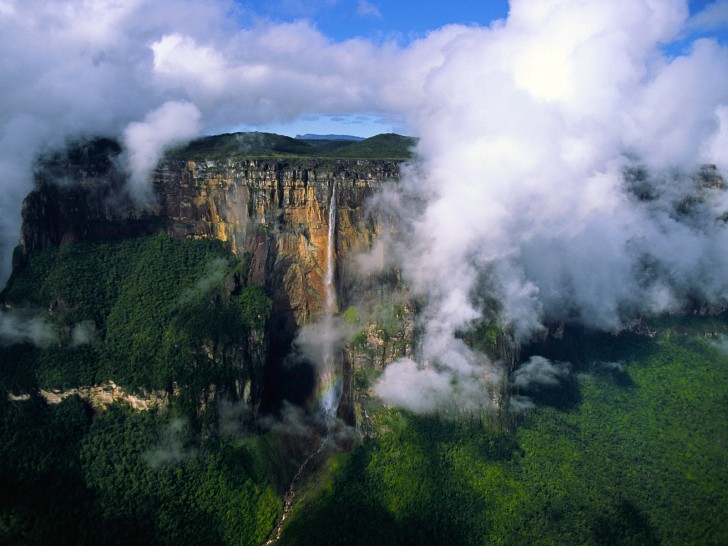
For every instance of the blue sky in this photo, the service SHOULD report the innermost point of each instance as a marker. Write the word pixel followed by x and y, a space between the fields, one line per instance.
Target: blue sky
pixel 402 22
pixel 379 20
pixel 374 20
pixel 398 20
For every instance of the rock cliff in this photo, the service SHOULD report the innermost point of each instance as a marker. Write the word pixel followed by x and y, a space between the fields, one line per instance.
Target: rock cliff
pixel 278 212
pixel 276 209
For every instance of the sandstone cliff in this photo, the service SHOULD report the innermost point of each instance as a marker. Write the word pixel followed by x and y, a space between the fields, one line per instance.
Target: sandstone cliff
pixel 275 209
pixel 278 211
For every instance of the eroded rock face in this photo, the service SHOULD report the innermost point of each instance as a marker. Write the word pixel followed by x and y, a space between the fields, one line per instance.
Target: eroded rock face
pixel 99 397
pixel 278 212
pixel 275 210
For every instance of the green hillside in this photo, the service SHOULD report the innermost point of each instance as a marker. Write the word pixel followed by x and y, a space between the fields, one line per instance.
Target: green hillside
pixel 386 146
pixel 263 145
pixel 631 450
pixel 639 457
pixel 144 300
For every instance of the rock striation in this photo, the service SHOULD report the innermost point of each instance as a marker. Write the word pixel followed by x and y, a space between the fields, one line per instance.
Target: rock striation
pixel 278 212
pixel 275 210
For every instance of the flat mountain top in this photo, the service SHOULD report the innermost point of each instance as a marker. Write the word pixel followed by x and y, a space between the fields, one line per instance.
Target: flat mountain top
pixel 257 144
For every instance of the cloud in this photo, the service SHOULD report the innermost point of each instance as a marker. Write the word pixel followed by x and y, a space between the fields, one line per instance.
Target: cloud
pixel 314 340
pixel 367 9
pixel 518 403
pixel 215 272
pixel 234 418
pixel 410 386
pixel 557 177
pixel 534 375
pixel 321 345
pixel 540 372
pixel 17 327
pixel 721 342
pixel 714 16
pixel 171 449
pixel 426 388
pixel 523 175
pixel 293 421
pixel 83 333
pixel 610 366
pixel 172 123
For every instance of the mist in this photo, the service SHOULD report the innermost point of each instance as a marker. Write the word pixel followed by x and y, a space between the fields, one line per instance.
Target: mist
pixel 26 327
pixel 153 73
pixel 171 449
pixel 144 142
pixel 558 157
pixel 560 181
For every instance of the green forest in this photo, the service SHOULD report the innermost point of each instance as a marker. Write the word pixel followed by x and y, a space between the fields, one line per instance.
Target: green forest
pixel 150 302
pixel 632 449
pixel 633 452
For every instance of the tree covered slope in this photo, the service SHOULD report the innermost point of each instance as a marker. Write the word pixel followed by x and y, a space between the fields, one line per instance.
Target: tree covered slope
pixel 633 451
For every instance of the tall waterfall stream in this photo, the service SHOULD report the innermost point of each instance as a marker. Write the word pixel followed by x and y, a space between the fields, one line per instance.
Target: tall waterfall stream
pixel 330 382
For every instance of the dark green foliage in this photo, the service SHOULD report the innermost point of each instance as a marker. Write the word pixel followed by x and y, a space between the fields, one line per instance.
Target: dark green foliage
pixel 43 498
pixel 159 305
pixel 253 144
pixel 386 146
pixel 164 312
pixel 640 458
pixel 151 489
pixel 65 480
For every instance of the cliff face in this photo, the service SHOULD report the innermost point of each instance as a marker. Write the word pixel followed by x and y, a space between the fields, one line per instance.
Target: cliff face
pixel 276 210
pixel 101 396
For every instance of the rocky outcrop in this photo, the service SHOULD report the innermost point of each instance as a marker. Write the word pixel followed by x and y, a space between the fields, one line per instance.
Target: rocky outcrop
pixel 101 396
pixel 385 335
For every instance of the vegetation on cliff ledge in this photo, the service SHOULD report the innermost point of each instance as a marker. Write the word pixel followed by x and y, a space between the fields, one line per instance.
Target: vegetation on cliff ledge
pixel 157 311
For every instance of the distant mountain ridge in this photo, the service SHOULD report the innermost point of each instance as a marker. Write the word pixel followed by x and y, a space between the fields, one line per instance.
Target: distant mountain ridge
pixel 310 136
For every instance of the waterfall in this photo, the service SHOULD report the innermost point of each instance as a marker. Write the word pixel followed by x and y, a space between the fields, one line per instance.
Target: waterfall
pixel 330 292
pixel 330 381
